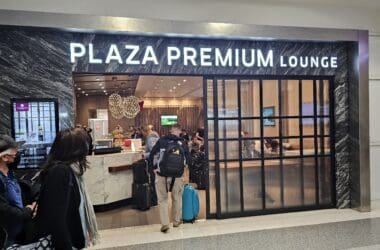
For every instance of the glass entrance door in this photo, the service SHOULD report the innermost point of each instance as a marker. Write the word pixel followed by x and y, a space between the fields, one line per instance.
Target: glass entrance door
pixel 269 145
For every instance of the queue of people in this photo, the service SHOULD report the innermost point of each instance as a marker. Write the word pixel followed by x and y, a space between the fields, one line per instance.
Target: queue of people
pixel 61 216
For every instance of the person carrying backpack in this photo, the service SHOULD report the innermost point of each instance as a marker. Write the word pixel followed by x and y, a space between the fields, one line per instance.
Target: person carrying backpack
pixel 173 155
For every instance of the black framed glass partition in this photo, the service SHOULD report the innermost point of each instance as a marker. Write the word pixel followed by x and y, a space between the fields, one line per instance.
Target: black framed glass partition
pixel 270 144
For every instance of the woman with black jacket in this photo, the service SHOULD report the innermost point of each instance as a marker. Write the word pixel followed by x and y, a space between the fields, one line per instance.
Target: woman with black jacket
pixel 64 209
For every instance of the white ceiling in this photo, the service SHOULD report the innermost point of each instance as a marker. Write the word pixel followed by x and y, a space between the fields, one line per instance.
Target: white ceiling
pixel 142 86
pixel 169 87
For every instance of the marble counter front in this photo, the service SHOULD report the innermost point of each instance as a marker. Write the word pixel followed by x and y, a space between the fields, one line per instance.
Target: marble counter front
pixel 105 187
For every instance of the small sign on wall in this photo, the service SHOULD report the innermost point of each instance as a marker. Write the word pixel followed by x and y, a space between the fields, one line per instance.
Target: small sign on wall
pixel 102 114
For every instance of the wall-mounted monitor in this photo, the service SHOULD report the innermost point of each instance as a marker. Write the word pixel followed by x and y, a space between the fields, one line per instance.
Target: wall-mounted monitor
pixel 35 125
pixel 268 112
pixel 168 120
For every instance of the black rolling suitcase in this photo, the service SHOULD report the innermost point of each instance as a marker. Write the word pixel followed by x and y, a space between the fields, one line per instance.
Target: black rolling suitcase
pixel 141 187
pixel 140 172
pixel 142 196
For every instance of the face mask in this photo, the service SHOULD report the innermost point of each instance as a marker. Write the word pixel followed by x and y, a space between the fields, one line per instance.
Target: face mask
pixel 15 162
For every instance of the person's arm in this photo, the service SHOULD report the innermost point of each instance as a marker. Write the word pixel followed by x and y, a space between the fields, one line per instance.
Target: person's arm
pixel 57 194
pixel 153 152
pixel 9 213
pixel 187 155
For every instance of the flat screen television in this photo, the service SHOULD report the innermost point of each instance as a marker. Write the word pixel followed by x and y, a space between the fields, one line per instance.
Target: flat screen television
pixel 34 125
pixel 168 120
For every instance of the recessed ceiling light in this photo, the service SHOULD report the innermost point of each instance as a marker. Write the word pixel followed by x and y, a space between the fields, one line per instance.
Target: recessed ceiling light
pixel 86 94
pixel 97 79
pixel 100 84
pixel 83 92
pixel 170 90
pixel 179 84
pixel 184 80
pixel 174 87
pixel 103 87
pixel 104 91
pixel 79 88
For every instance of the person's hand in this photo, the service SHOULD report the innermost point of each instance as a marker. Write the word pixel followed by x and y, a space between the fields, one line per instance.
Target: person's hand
pixel 33 207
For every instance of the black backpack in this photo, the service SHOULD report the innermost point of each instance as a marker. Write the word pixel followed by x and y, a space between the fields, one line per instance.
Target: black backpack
pixel 172 162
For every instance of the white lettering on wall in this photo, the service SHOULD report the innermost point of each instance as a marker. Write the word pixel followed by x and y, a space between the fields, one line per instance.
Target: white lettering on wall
pixel 77 50
pixel 244 58
pixel 219 60
pixel 113 54
pixel 314 62
pixel 189 55
pixel 265 62
pixel 195 56
pixel 173 54
pixel 205 57
pixel 130 59
pixel 149 55
pixel 325 62
pixel 91 55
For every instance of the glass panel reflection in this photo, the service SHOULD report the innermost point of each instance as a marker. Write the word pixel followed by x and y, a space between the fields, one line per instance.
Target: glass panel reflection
pixel 250 98
pixel 212 187
pixel 229 150
pixel 250 149
pixel 210 99
pixel 323 145
pixel 324 171
pixel 227 98
pixel 323 103
pixel 272 184
pixel 309 180
pixel 290 127
pixel 271 127
pixel 289 97
pixel 323 126
pixel 252 185
pixel 228 129
pixel 308 146
pixel 229 187
pixel 292 182
pixel 210 124
pixel 291 147
pixel 211 150
pixel 250 128
pixel 270 98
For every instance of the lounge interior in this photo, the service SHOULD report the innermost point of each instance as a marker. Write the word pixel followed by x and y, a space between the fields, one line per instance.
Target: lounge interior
pixel 157 96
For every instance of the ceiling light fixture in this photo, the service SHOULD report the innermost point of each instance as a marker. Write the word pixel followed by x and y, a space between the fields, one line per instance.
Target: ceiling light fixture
pixel 79 88
pixel 103 87
pixel 179 84
pixel 184 80
pixel 83 92
pixel 97 79
pixel 86 94
pixel 174 87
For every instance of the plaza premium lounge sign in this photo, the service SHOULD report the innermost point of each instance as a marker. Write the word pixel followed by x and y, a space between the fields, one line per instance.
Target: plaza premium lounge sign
pixel 132 54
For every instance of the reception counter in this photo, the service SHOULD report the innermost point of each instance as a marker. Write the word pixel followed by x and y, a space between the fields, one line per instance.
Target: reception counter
pixel 110 176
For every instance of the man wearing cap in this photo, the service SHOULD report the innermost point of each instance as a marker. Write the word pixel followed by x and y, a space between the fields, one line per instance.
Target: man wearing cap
pixel 13 214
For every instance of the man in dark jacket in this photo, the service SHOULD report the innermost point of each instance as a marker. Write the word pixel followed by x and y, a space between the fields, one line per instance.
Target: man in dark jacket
pixel 13 214
pixel 165 183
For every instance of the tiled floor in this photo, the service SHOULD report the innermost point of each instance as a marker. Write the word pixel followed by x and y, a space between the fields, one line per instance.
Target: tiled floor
pixel 320 229
pixel 127 216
